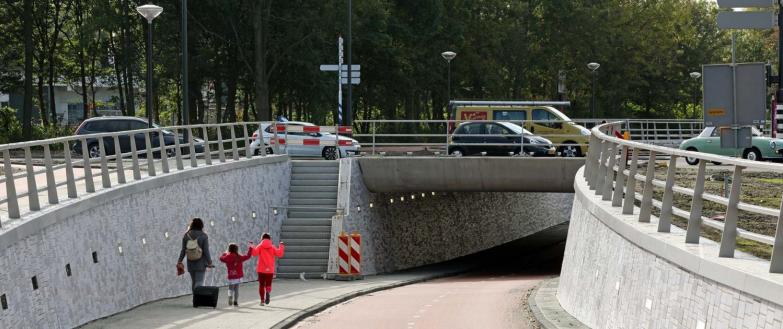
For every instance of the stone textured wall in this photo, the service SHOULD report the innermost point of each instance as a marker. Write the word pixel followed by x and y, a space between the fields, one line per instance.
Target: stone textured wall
pixel 148 226
pixel 434 228
pixel 609 282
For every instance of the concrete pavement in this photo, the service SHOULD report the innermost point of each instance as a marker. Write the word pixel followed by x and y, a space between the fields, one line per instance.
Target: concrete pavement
pixel 292 300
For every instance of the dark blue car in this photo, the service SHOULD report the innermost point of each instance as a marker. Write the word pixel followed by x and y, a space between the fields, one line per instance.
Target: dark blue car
pixel 115 124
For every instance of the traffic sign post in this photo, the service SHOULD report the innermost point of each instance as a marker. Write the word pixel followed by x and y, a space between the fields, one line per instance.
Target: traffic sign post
pixel 343 75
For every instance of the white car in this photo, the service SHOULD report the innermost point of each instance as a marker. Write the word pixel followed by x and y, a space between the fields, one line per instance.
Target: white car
pixel 294 142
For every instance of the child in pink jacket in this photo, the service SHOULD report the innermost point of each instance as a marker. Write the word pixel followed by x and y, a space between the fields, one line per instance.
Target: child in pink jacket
pixel 234 260
pixel 266 253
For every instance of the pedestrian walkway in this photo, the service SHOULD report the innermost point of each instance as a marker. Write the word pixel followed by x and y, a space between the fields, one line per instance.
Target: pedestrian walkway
pixel 292 300
pixel 547 310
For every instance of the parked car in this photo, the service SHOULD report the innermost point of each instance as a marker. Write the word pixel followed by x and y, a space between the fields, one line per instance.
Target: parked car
pixel 708 141
pixel 293 145
pixel 115 124
pixel 571 138
pixel 471 138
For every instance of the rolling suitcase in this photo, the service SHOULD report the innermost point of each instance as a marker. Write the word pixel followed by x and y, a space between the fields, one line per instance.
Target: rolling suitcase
pixel 206 295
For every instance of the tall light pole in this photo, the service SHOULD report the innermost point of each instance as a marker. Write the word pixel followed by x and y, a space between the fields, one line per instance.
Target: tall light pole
pixel 695 76
pixel 149 11
pixel 593 68
pixel 349 103
pixel 448 56
pixel 185 89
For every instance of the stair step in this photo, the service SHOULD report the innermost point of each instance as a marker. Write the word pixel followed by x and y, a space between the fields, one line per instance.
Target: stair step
pixel 312 195
pixel 317 255
pixel 307 222
pixel 315 170
pixel 307 242
pixel 303 261
pixel 318 176
pixel 312 202
pixel 309 228
pixel 303 213
pixel 314 182
pixel 308 275
pixel 302 268
pixel 285 235
pixel 300 248
pixel 333 188
pixel 315 163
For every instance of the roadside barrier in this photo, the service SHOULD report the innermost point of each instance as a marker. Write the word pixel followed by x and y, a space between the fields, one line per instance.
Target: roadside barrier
pixel 343 254
pixel 349 256
pixel 356 253
pixel 342 130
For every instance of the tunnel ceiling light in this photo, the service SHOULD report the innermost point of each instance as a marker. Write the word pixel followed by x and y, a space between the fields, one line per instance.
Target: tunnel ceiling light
pixel 391 200
pixel 413 197
pixel 144 241
pixel 212 223
pixel 253 214
pixel 371 205
pixel 422 195
pixel 233 218
pixel 274 211
pixel 402 198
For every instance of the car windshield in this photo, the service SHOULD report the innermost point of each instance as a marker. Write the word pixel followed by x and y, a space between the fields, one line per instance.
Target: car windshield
pixel 559 114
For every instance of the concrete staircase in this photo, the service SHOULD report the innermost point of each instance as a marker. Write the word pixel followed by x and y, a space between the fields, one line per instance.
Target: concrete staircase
pixel 307 230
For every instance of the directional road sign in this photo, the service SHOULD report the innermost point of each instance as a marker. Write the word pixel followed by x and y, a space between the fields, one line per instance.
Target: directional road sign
pixel 746 20
pixel 333 67
pixel 354 74
pixel 354 81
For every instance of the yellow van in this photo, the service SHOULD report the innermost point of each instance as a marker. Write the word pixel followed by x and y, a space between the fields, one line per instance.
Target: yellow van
pixel 546 121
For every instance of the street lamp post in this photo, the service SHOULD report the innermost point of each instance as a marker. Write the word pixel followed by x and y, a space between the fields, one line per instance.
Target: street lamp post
pixel 149 11
pixel 593 68
pixel 695 76
pixel 185 88
pixel 448 56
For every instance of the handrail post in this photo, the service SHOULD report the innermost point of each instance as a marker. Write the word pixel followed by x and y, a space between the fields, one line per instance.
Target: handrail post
pixel 617 198
pixel 247 140
pixel 105 179
pixel 69 179
pixel 207 152
pixel 51 185
pixel 178 149
pixel 728 240
pixel 590 160
pixel 135 158
pixel 164 157
pixel 776 261
pixel 32 187
pixel 192 149
pixel 697 203
pixel 150 156
pixel 630 184
pixel 118 160
pixel 665 220
pixel 646 206
pixel 221 149
pixel 10 186
pixel 606 193
pixel 234 152
pixel 373 136
pixel 600 173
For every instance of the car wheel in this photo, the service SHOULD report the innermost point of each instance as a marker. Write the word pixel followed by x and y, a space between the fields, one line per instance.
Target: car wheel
pixel 752 154
pixel 570 150
pixel 94 151
pixel 457 152
pixel 269 151
pixel 329 153
pixel 171 153
pixel 692 161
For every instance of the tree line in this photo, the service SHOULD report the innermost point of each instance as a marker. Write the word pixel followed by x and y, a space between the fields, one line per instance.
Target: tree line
pixel 256 59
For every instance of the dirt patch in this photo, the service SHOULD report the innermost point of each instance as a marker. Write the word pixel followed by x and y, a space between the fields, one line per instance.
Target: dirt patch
pixel 527 313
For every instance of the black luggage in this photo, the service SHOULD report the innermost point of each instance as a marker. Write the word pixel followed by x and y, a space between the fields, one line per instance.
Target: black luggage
pixel 206 295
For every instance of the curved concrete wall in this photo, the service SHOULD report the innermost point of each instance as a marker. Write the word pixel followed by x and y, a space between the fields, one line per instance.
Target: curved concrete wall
pixel 146 219
pixel 469 174
pixel 619 273
pixel 432 229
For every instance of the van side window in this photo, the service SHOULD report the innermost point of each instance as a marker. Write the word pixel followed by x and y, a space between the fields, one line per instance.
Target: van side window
pixel 510 115
pixel 540 115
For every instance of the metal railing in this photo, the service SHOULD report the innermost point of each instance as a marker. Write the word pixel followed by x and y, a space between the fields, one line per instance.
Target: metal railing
pixel 609 172
pixel 49 168
pixel 433 137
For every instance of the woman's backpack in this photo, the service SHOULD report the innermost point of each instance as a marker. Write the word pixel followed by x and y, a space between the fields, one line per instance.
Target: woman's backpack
pixel 192 249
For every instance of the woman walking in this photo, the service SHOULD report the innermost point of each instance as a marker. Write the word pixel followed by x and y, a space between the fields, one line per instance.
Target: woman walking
pixel 266 253
pixel 195 246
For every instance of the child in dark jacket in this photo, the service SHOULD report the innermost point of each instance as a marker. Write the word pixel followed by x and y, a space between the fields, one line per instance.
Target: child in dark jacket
pixel 234 260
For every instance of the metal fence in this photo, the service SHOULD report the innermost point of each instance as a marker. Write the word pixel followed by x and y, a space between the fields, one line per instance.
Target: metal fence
pixel 433 137
pixel 48 169
pixel 609 172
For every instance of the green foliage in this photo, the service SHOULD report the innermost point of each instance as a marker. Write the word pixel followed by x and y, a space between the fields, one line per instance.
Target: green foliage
pixel 12 130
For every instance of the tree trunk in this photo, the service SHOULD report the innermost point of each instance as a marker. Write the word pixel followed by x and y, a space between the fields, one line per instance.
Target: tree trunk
pixel 129 59
pixel 246 105
pixel 218 100
pixel 41 101
pixel 80 23
pixel 261 78
pixel 52 50
pixel 118 74
pixel 27 106
pixel 231 99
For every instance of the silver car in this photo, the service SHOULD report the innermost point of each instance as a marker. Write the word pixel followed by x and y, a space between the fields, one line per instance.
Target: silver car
pixel 295 142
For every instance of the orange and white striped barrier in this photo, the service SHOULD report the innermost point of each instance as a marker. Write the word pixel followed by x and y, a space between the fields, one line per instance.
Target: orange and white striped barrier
pixel 356 253
pixel 311 142
pixel 343 254
pixel 342 130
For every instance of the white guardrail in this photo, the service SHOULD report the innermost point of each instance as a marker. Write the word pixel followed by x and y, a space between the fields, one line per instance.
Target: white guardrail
pixel 434 137
pixel 47 167
pixel 611 175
